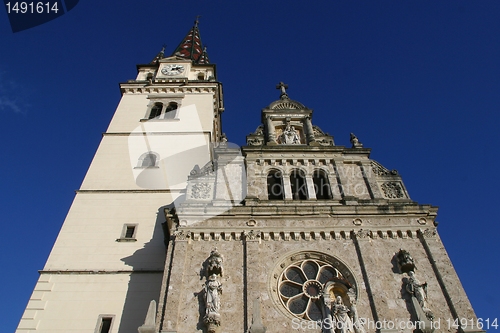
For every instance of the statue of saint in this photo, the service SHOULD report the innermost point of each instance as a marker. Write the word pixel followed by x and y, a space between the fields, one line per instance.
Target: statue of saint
pixel 213 289
pixel 419 291
pixel 290 136
pixel 343 322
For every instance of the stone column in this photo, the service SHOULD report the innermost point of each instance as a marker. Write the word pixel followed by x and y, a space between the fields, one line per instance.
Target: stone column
pixel 309 130
pixel 271 138
pixel 287 187
pixel 310 187
pixel 255 277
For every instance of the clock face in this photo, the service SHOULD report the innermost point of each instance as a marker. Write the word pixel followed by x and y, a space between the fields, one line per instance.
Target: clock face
pixel 173 69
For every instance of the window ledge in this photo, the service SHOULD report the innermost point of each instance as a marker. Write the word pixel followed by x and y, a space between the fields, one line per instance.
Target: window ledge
pixel 126 240
pixel 159 120
pixel 148 167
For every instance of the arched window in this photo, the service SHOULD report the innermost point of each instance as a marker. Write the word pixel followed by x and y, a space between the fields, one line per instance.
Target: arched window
pixel 299 185
pixel 149 159
pixel 149 76
pixel 321 185
pixel 201 76
pixel 156 110
pixel 170 111
pixel 275 190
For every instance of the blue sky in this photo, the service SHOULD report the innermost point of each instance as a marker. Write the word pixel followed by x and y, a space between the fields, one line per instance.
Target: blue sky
pixel 416 81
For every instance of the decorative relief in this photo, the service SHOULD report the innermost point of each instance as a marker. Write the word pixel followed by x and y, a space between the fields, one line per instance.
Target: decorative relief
pixel 255 141
pixel 357 221
pixel 201 191
pixel 325 142
pixel 182 235
pixel 251 235
pixel 207 170
pixel 392 190
pixel 362 234
pixel 317 131
pixel 429 233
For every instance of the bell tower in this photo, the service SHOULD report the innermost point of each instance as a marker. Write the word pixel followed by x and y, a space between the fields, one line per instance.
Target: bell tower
pixel 107 263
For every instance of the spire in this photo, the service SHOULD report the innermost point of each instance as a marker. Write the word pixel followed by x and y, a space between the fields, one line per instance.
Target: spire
pixel 191 46
pixel 203 59
pixel 159 56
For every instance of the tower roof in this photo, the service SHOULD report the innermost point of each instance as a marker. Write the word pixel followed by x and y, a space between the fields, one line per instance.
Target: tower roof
pixel 191 47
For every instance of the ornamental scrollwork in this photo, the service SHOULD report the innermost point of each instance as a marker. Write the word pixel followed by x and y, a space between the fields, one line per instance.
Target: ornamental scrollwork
pixel 201 191
pixel 392 190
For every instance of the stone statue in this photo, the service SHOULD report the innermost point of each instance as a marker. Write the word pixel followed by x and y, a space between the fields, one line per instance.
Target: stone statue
pixel 290 136
pixel 343 323
pixel 355 141
pixel 419 291
pixel 214 265
pixel 405 261
pixel 357 324
pixel 213 289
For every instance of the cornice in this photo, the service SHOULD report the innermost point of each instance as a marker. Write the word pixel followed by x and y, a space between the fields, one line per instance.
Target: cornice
pixel 186 88
pixel 304 234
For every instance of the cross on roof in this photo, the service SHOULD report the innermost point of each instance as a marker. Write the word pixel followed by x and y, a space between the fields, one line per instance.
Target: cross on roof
pixel 283 87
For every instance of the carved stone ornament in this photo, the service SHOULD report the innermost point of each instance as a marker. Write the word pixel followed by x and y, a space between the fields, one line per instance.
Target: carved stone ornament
pixel 418 291
pixel 255 141
pixel 201 191
pixel 214 265
pixel 252 235
pixel 405 261
pixel 362 234
pixel 429 233
pixel 392 190
pixel 380 170
pixel 182 235
pixel 207 170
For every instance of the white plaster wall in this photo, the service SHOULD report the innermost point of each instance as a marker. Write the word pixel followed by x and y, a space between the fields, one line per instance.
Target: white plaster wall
pixel 73 302
pixel 87 240
pixel 115 165
pixel 134 107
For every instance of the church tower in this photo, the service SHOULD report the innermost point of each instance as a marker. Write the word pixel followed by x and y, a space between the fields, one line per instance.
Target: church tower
pixel 107 263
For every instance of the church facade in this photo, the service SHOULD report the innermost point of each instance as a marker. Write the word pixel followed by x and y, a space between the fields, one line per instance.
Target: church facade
pixel 174 229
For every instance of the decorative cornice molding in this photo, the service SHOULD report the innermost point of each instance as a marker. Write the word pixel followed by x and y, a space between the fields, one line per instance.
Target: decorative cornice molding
pixel 268 234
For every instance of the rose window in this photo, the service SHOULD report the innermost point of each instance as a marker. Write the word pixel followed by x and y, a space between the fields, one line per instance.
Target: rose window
pixel 301 284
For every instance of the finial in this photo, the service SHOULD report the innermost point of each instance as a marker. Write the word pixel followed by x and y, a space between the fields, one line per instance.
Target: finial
pixel 282 87
pixel 196 21
pixel 355 141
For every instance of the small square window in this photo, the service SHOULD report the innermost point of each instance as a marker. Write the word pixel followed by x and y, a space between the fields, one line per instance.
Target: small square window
pixel 128 233
pixel 104 324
